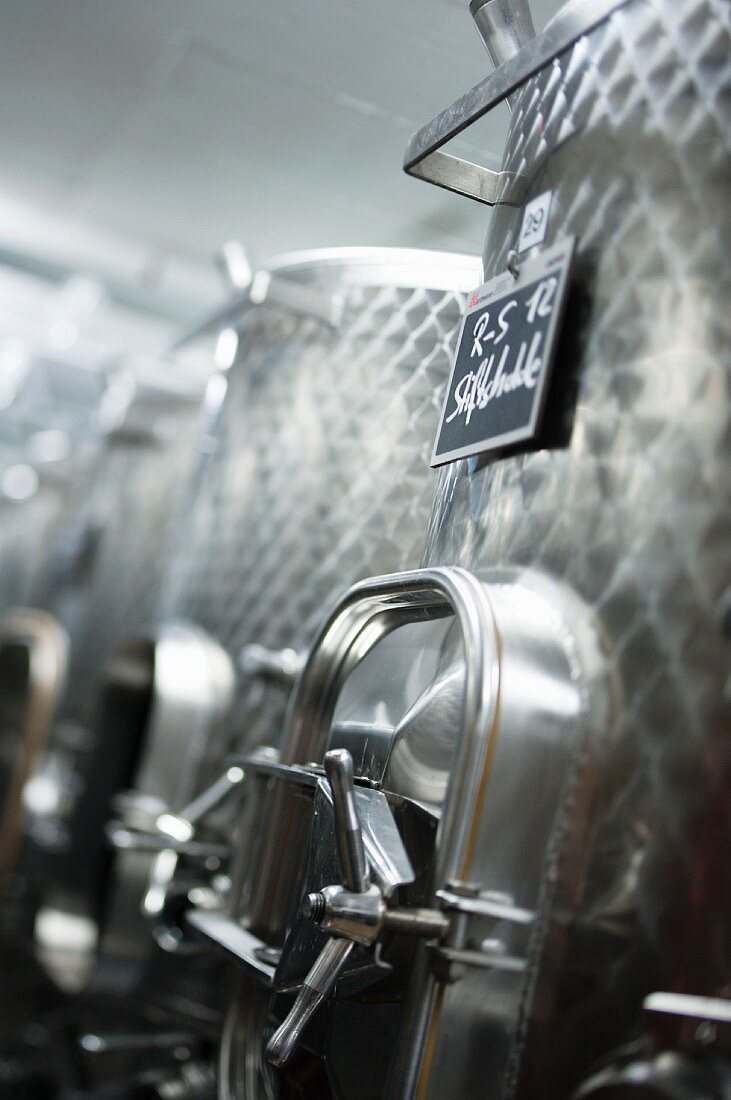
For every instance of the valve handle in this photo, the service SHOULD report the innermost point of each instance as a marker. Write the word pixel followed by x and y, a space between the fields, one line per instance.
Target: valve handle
pixel 348 833
pixel 326 969
pixel 316 987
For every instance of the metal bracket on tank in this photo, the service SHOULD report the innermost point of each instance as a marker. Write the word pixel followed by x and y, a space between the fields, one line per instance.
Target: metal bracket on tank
pixel 425 158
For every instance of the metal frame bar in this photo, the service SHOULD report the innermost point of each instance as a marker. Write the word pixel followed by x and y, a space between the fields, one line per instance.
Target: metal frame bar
pixel 375 607
pixel 424 158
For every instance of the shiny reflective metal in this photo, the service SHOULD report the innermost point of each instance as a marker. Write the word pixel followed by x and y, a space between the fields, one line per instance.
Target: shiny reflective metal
pixel 351 850
pixel 536 696
pixel 627 127
pixel 353 912
pixel 353 916
pixel 103 585
pixel 33 662
pixel 174 836
pixel 31 531
pixel 281 283
pixel 313 461
pixel 681 1020
pixel 95 1043
pixel 368 611
pixel 504 26
pixel 425 157
pixel 235 265
pixel 669 1075
pixel 229 936
pixel 315 989
pixel 313 473
pixel 191 684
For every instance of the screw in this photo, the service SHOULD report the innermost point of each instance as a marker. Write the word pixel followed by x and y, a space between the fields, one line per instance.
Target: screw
pixel 313 907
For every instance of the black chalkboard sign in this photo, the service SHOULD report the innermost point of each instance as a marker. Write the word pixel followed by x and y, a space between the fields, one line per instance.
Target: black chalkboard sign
pixel 499 381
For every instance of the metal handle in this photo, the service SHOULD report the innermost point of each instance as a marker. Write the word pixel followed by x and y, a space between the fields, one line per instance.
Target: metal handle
pixel 133 840
pixel 175 835
pixel 348 833
pixel 354 872
pixel 425 157
pixel 182 826
pixel 316 987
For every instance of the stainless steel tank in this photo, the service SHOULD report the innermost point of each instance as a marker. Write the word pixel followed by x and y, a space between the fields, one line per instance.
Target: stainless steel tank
pixel 312 471
pixel 102 584
pixel 312 468
pixel 519 887
pixel 629 130
pixel 318 442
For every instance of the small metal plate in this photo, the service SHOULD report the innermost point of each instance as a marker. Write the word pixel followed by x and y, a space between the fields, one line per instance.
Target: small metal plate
pixel 499 380
pixel 535 222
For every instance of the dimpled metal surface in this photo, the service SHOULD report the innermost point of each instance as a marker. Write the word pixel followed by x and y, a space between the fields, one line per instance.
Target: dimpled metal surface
pixel 319 472
pixel 630 130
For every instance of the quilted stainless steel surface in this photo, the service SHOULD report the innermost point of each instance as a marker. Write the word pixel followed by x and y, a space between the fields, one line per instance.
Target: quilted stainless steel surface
pixel 318 471
pixel 631 132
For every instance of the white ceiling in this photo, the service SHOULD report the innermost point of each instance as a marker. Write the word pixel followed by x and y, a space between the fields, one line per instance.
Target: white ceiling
pixel 138 135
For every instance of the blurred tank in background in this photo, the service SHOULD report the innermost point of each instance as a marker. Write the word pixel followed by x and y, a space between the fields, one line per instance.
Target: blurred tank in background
pixel 288 501
pixel 99 549
pixel 109 558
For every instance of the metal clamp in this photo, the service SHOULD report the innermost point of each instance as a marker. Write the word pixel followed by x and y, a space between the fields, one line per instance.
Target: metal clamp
pixel 461 902
pixel 425 158
pixel 367 612
pixel 354 872
pixel 354 913
pixel 174 836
